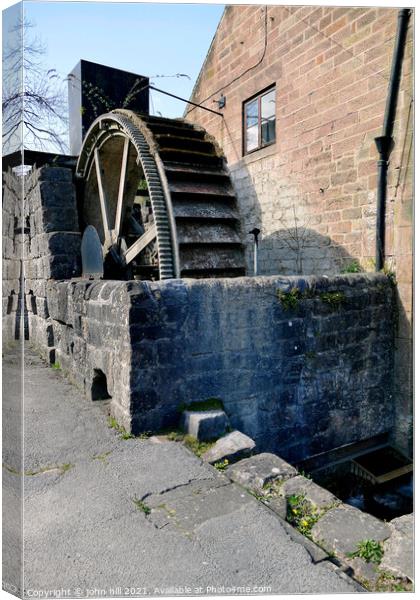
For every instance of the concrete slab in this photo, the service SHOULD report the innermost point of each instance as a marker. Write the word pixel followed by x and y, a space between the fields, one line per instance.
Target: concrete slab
pixel 187 507
pixel 84 529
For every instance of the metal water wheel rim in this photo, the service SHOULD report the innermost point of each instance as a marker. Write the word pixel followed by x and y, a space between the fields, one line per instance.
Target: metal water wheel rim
pixel 113 125
pixel 210 244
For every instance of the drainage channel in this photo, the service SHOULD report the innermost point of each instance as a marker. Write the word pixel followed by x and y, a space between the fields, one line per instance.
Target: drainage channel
pixel 377 480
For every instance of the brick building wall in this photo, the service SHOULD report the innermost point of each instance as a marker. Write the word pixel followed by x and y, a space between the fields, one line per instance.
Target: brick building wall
pixel 313 192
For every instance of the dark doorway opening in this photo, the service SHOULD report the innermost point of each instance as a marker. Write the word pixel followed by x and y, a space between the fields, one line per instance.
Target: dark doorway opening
pixel 99 388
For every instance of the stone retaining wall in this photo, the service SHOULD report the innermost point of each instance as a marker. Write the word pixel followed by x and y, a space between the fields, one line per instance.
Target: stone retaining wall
pixel 302 365
pixel 12 238
pixel 298 380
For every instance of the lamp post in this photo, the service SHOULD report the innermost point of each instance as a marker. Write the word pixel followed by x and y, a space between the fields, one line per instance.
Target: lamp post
pixel 255 232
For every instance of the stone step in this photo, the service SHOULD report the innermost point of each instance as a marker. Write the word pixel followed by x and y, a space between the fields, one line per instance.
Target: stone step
pixel 205 425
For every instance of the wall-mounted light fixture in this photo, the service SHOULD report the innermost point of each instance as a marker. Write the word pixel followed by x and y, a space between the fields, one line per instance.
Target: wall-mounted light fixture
pixel 221 102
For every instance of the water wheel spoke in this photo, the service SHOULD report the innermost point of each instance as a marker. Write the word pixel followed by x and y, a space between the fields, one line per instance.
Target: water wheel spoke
pixel 102 198
pixel 121 188
pixel 140 244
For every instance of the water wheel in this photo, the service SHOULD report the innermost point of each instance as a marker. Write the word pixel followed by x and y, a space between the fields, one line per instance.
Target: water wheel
pixel 159 195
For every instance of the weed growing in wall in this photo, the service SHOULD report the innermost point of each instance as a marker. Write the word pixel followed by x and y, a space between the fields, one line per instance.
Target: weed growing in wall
pixel 333 299
pixel 199 448
pixel 124 434
pixel 290 300
pixel 352 267
pixel 370 550
pixel 222 465
pixel 301 513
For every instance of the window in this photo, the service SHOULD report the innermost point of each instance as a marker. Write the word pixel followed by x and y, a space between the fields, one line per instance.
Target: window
pixel 260 121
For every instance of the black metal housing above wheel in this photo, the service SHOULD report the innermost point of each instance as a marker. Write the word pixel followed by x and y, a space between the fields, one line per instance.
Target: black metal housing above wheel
pixel 158 193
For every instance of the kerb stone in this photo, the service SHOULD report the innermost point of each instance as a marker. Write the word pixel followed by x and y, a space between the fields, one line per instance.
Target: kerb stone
pixel 398 549
pixel 341 529
pixel 232 447
pixel 255 472
pixel 318 496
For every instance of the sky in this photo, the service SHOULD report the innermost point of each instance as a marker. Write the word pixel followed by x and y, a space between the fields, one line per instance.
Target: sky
pixel 148 39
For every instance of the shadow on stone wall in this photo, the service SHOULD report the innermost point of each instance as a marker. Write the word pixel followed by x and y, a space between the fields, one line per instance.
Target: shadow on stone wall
pixel 301 250
pixel 294 247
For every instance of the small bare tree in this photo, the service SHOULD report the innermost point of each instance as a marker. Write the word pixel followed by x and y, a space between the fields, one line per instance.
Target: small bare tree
pixel 296 238
pixel 34 102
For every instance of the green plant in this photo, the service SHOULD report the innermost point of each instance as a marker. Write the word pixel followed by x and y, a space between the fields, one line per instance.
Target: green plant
pixel 301 513
pixel 310 355
pixel 333 299
pixel 202 405
pixel 175 436
pixel 124 434
pixel 62 468
pixel 305 475
pixel 392 278
pixel 11 469
pixel 259 496
pixel 103 457
pixel 271 489
pixel 142 506
pixel 222 465
pixel 290 300
pixel 370 550
pixel 387 582
pixel 352 267
pixel 199 448
pixel 56 366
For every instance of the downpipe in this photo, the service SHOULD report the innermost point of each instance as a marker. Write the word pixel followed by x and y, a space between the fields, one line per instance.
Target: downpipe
pixel 384 142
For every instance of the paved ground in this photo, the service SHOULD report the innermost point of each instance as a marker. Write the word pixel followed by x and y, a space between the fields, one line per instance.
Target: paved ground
pixel 83 531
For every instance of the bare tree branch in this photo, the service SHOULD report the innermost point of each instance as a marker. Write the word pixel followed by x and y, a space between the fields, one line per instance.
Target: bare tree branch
pixel 33 96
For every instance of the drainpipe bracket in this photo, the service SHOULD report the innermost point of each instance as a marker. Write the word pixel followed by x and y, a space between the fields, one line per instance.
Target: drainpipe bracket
pixel 384 145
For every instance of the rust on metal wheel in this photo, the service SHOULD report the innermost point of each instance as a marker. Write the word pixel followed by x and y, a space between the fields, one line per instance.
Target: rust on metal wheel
pixel 159 195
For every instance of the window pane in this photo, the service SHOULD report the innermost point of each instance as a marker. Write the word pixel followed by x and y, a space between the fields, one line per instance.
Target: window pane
pixel 268 105
pixel 252 138
pixel 268 131
pixel 251 113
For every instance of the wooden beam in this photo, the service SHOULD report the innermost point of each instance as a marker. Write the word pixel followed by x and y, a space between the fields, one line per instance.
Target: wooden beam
pixel 102 198
pixel 120 200
pixel 140 244
pixel 395 473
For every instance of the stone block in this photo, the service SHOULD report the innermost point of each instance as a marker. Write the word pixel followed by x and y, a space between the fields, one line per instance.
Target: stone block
pixel 341 529
pixel 232 447
pixel 55 174
pixel 318 496
pixel 57 193
pixel 278 504
pixel 59 219
pixel 255 472
pixel 205 425
pixel 399 548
